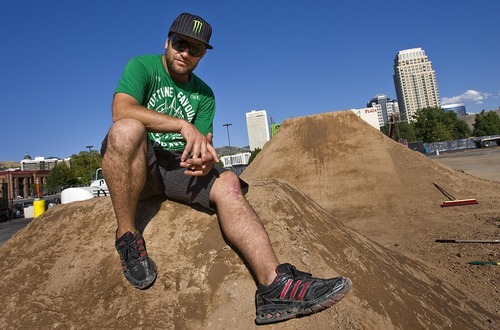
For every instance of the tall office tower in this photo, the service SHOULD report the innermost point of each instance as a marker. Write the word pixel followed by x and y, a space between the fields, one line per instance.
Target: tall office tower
pixel 458 108
pixel 258 129
pixel 385 108
pixel 415 82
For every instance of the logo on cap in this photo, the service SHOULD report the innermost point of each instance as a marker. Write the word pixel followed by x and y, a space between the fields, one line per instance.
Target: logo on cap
pixel 197 26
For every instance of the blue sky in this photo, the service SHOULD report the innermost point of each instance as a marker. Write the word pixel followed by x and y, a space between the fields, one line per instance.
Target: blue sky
pixel 60 61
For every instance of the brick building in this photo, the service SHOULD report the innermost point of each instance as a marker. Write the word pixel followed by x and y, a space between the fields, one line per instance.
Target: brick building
pixel 20 182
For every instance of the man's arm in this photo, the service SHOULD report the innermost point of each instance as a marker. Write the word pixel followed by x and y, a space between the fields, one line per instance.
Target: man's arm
pixel 126 106
pixel 197 145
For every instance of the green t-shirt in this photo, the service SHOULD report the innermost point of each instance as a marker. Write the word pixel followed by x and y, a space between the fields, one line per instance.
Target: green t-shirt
pixel 145 79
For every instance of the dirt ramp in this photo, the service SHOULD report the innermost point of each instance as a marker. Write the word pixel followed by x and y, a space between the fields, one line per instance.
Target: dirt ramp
pixel 377 186
pixel 356 171
pixel 62 271
pixel 331 157
pixel 386 192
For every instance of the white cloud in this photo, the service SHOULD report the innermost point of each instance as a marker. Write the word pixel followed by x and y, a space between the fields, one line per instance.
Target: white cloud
pixel 470 96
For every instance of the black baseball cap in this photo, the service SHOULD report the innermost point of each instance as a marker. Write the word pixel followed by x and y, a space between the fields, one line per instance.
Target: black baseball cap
pixel 192 26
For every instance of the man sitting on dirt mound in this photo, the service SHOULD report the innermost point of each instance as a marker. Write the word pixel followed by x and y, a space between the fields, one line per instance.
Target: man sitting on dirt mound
pixel 161 143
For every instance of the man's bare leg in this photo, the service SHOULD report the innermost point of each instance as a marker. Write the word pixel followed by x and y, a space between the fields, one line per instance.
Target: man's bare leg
pixel 243 228
pixel 284 292
pixel 124 169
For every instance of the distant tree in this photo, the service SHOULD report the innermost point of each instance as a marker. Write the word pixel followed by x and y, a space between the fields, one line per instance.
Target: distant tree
pixel 60 176
pixel 434 124
pixel 220 155
pixel 407 131
pixel 462 130
pixel 401 130
pixel 253 154
pixel 385 129
pixel 80 165
pixel 486 124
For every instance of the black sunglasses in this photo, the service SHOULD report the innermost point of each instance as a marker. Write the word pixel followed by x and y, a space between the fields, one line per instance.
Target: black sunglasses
pixel 180 45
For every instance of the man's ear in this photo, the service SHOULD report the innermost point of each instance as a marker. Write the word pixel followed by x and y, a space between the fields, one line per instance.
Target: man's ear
pixel 166 43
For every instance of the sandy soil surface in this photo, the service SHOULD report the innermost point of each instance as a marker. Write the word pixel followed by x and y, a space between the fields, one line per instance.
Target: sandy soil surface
pixel 336 197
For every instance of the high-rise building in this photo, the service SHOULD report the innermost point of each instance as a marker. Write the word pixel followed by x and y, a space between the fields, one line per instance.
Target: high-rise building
pixel 415 82
pixel 385 108
pixel 258 129
pixel 458 108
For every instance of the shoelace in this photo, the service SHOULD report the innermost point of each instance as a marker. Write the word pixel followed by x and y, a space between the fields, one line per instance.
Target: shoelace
pixel 299 274
pixel 131 249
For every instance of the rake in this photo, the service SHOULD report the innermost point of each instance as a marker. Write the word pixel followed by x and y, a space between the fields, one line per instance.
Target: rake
pixel 454 201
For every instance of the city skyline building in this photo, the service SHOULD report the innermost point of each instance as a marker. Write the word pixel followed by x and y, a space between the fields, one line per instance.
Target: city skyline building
pixel 385 108
pixel 415 82
pixel 41 163
pixel 258 128
pixel 18 183
pixel 369 115
pixel 458 108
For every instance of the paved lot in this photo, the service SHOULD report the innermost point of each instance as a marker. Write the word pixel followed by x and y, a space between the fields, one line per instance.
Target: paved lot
pixel 10 227
pixel 483 163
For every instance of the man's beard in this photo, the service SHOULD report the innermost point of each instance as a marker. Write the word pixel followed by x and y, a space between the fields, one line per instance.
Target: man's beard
pixel 172 68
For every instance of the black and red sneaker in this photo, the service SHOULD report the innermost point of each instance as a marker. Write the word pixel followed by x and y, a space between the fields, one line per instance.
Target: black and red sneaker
pixel 137 267
pixel 294 294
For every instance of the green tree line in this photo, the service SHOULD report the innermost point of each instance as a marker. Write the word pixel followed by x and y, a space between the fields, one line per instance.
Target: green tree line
pixel 78 173
pixel 435 124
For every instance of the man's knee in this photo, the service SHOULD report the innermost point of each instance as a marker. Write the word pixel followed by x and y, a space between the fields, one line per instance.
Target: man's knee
pixel 228 184
pixel 125 134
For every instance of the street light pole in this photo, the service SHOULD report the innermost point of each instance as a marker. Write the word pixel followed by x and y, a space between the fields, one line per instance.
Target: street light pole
pixel 228 139
pixel 90 155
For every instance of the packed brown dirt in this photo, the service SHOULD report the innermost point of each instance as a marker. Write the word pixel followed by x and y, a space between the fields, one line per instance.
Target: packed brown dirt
pixel 336 197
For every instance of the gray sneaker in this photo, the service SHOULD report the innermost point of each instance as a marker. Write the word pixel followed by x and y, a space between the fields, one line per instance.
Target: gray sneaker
pixel 137 267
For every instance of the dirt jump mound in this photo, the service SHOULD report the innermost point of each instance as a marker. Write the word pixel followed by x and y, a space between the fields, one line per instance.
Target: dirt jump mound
pixel 62 270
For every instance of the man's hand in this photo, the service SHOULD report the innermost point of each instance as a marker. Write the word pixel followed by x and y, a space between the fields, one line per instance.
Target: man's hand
pixel 197 145
pixel 202 160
